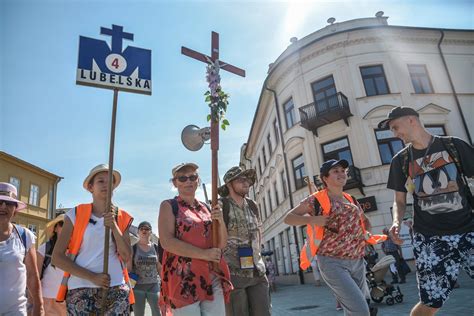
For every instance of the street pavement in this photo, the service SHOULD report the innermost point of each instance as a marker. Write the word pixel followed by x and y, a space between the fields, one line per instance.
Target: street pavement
pixel 307 299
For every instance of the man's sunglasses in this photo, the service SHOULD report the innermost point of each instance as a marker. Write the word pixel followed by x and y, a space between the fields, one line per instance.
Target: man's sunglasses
pixel 9 203
pixel 145 228
pixel 191 178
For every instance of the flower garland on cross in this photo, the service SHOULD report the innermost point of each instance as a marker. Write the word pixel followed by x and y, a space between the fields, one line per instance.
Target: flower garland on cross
pixel 216 98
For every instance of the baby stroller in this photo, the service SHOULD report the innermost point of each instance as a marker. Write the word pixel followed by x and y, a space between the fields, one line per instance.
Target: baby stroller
pixel 378 288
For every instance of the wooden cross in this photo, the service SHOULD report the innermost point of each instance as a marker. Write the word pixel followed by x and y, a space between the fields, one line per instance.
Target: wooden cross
pixel 214 56
pixel 214 124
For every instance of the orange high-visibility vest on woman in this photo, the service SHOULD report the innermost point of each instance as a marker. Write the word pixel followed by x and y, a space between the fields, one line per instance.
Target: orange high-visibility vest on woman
pixel 315 233
pixel 83 215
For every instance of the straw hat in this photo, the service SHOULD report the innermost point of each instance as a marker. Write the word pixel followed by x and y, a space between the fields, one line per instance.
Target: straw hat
pixel 51 224
pixel 101 168
pixel 183 165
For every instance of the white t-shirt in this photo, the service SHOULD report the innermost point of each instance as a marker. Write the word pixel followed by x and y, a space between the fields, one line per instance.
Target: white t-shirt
pixel 13 273
pixel 52 277
pixel 91 254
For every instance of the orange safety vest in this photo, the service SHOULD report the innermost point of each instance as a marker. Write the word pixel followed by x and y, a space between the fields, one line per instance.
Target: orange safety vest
pixel 315 233
pixel 83 215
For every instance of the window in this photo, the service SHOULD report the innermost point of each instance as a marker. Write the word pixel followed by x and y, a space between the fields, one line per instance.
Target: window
pixel 34 194
pixel 388 145
pixel 325 94
pixel 260 212
pixel 374 79
pixel 283 184
pixel 270 204
pixel 259 166
pixel 275 130
pixel 33 229
pixel 264 154
pixel 338 149
pixel 269 141
pixel 299 171
pixel 420 79
pixel 289 113
pixel 16 183
pixel 277 198
pixel 436 130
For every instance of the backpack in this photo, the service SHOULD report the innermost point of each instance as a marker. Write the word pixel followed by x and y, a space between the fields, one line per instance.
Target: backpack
pixel 448 144
pixel 174 208
pixel 226 207
pixel 20 230
pixel 47 257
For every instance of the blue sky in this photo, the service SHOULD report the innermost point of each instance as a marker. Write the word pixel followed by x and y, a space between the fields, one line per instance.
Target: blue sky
pixel 48 120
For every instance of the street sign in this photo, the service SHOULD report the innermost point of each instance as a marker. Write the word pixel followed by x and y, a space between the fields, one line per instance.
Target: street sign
pixel 102 66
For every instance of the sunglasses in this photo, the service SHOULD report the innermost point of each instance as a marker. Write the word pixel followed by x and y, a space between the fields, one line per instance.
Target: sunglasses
pixel 9 203
pixel 191 178
pixel 145 228
pixel 242 180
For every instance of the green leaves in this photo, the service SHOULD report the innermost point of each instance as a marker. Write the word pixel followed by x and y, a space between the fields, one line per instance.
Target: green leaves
pixel 218 105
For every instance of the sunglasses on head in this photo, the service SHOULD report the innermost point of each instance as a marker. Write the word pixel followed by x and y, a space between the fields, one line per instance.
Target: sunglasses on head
pixel 191 178
pixel 9 203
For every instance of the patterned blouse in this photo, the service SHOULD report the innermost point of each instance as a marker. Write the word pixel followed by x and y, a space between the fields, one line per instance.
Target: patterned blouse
pixel 344 237
pixel 188 280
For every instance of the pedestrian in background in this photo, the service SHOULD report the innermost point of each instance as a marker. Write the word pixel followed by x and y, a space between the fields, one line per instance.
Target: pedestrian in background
pixel 17 259
pixel 145 264
pixel 270 274
pixel 389 248
pixel 50 275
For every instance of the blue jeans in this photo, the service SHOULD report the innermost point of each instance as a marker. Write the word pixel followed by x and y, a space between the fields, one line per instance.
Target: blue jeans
pixel 144 293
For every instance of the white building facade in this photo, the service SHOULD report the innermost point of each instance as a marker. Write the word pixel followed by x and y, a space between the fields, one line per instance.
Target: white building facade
pixel 323 98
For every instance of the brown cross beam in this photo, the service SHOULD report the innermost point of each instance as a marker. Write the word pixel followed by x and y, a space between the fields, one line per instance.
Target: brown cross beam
pixel 214 124
pixel 214 56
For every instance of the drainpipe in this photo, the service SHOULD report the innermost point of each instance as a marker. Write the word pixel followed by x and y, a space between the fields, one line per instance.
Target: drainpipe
pixel 452 88
pixel 285 159
pixel 250 161
pixel 55 190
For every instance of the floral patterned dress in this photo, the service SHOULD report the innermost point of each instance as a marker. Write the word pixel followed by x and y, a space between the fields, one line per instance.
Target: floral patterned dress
pixel 188 280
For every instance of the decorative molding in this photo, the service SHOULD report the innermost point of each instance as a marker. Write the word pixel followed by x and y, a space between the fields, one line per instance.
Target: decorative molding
pixel 366 40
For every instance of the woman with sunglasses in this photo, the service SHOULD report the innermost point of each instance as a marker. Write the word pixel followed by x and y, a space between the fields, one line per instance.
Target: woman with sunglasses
pixel 17 259
pixel 146 266
pixel 50 275
pixel 190 284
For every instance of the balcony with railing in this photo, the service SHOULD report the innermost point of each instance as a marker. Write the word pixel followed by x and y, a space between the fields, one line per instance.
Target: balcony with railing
pixel 325 111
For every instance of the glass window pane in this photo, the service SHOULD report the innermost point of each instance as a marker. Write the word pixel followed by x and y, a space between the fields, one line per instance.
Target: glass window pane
pixel 369 87
pixel 346 154
pixel 416 85
pixel 425 83
pixel 381 85
pixel 385 153
pixel 397 145
pixel 372 70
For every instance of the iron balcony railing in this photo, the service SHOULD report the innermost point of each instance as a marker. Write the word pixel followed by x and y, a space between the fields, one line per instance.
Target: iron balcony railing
pixel 326 111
